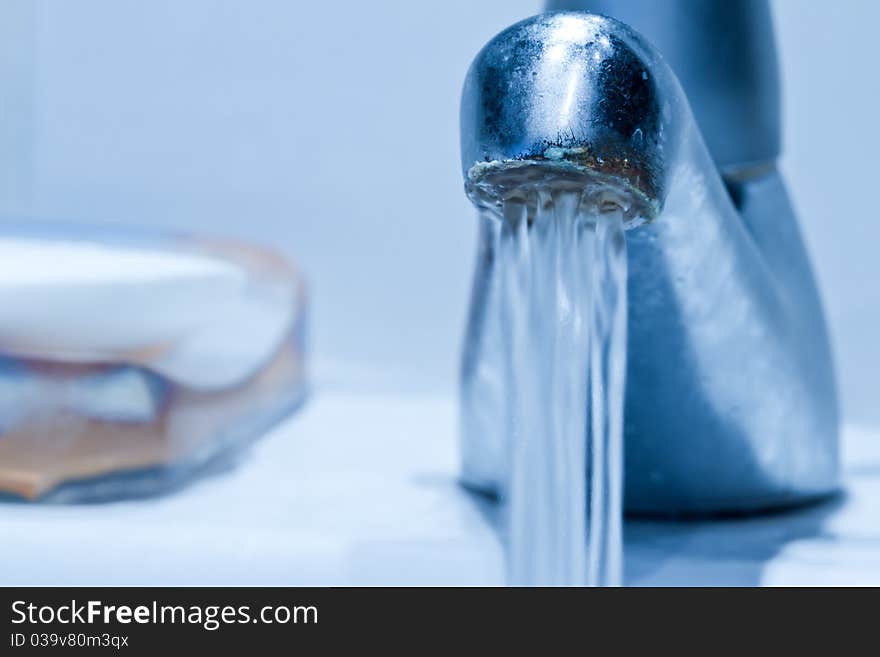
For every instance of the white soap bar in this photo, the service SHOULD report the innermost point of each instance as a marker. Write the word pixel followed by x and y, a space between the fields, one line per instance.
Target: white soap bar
pixel 198 318
pixel 78 298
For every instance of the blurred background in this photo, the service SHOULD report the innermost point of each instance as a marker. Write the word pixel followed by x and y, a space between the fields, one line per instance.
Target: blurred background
pixel 330 130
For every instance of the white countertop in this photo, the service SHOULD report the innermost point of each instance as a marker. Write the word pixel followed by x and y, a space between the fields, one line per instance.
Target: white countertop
pixel 361 489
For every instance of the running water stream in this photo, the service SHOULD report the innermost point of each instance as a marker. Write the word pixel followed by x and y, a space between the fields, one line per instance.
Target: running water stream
pixel 557 307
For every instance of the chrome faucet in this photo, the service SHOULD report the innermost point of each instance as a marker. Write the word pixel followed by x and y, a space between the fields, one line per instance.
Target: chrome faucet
pixel 730 401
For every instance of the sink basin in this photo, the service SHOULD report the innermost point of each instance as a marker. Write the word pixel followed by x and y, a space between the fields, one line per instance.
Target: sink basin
pixel 360 488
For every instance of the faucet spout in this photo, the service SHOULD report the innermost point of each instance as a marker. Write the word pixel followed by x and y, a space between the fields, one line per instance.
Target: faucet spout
pixel 730 403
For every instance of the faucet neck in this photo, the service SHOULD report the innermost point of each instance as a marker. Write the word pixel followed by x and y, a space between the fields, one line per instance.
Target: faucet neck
pixel 724 54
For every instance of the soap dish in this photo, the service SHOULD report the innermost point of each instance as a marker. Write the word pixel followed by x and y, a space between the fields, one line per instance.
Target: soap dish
pixel 130 363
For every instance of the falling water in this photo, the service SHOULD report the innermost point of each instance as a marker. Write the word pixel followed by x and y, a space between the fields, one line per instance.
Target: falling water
pixel 559 312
